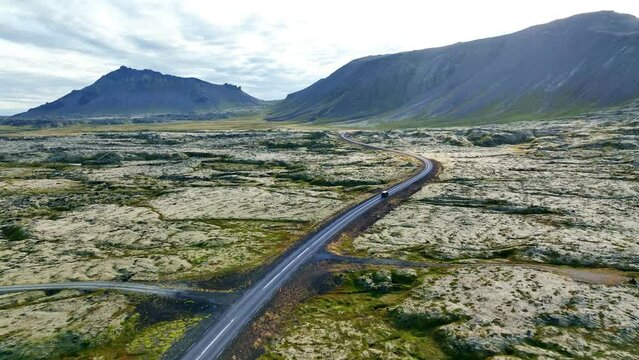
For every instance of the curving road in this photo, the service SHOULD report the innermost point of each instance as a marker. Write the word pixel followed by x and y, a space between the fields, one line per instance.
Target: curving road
pixel 134 287
pixel 93 285
pixel 221 334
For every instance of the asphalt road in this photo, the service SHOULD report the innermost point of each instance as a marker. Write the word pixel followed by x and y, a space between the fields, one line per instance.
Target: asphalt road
pixel 94 285
pixel 140 288
pixel 227 328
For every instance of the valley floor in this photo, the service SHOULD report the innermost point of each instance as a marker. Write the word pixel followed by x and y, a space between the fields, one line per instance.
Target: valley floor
pixel 534 227
pixel 528 240
pixel 188 208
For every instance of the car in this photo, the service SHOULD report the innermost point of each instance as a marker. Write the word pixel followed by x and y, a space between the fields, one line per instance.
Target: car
pixel 384 194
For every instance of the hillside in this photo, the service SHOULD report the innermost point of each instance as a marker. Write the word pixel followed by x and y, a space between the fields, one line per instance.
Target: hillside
pixel 127 91
pixel 583 62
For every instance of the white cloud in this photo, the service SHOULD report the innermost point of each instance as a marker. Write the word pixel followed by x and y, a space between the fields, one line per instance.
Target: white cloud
pixel 270 48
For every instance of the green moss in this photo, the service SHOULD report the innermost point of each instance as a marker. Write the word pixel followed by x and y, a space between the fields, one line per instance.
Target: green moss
pixel 63 345
pixel 364 315
pixel 263 239
pixel 155 340
pixel 497 205
pixel 317 180
pixel 139 336
pixel 317 141
pixel 15 232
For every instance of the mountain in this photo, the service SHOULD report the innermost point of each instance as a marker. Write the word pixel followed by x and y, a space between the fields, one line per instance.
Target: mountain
pixel 127 91
pixel 579 63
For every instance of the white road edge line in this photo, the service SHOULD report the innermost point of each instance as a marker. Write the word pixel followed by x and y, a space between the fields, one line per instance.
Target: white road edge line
pixel 328 232
pixel 321 239
pixel 212 342
pixel 286 267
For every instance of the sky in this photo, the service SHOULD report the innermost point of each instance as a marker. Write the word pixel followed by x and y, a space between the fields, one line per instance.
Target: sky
pixel 270 48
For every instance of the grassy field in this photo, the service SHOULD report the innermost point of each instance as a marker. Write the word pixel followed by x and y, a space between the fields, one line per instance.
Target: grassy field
pixel 257 122
pixel 249 122
pixel 355 321
pixel 253 122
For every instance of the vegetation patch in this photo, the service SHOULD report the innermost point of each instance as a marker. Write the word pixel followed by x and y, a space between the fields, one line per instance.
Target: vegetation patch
pixel 551 192
pixel 14 232
pixel 155 340
pixel 151 205
pixel 353 322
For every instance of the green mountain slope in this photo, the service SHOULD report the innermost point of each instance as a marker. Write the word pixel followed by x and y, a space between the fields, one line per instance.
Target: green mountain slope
pixel 584 62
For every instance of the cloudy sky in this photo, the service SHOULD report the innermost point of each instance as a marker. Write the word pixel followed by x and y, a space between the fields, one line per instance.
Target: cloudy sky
pixel 270 48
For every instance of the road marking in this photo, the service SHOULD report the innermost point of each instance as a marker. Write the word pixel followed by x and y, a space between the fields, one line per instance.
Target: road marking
pixel 286 267
pixel 321 237
pixel 327 231
pixel 215 339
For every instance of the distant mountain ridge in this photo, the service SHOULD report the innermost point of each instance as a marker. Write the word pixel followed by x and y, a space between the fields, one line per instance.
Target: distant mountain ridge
pixel 583 62
pixel 127 91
